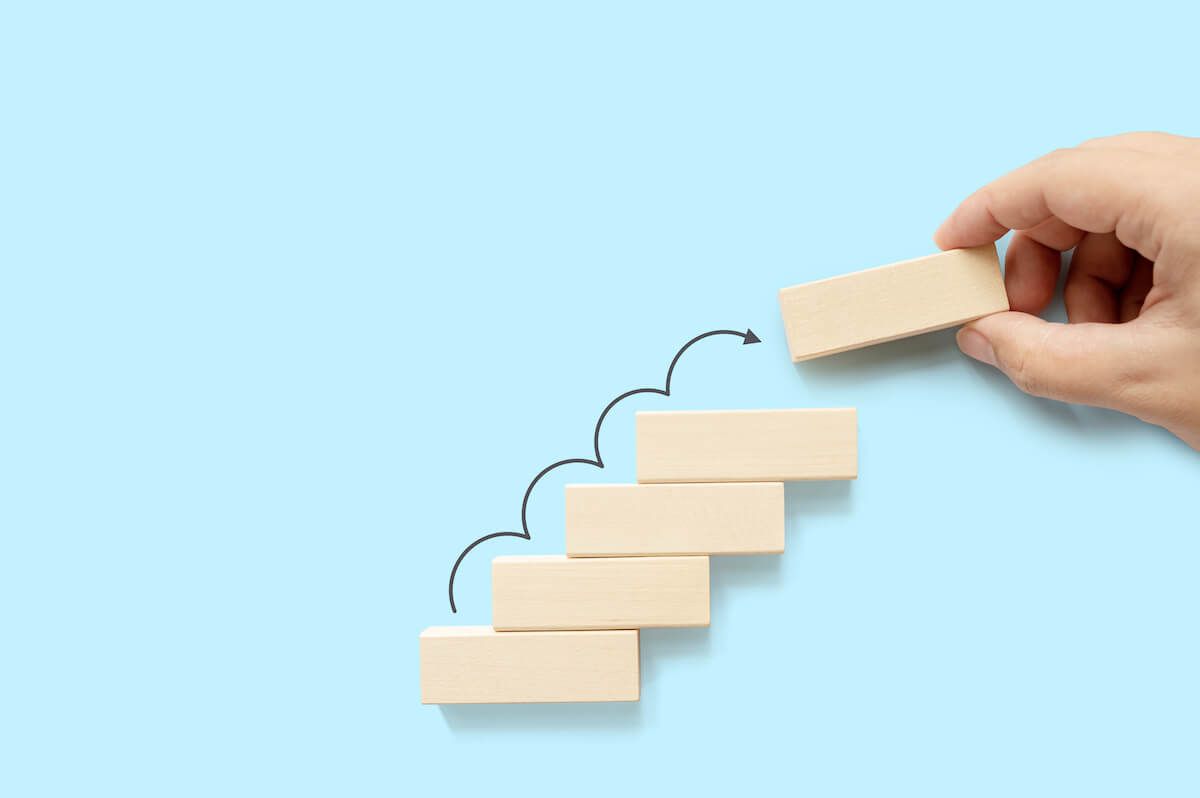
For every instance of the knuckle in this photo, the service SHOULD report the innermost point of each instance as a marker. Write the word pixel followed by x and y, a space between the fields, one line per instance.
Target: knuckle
pixel 1136 389
pixel 1115 139
pixel 1155 402
pixel 1146 385
pixel 1020 368
pixel 1023 360
pixel 1128 379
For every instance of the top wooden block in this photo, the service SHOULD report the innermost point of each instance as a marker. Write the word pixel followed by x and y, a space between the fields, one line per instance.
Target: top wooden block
pixel 890 302
pixel 747 445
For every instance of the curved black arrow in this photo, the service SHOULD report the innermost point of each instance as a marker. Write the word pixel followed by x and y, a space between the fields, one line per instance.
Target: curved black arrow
pixel 748 337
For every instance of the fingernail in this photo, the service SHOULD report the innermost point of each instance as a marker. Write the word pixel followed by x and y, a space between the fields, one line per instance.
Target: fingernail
pixel 973 344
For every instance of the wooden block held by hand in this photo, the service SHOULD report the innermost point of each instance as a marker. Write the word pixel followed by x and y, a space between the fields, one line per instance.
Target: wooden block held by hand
pixel 889 302
pixel 477 665
pixel 658 520
pixel 747 445
pixel 554 592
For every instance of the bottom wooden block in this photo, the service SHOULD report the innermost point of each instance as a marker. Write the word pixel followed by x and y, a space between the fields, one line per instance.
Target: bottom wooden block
pixel 477 665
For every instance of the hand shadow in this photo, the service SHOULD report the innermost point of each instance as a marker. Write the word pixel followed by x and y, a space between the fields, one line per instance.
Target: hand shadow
pixel 938 350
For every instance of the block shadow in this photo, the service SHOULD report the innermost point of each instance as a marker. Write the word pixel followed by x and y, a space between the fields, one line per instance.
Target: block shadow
pixel 1092 423
pixel 883 360
pixel 658 646
pixel 731 575
pixel 488 719
pixel 817 499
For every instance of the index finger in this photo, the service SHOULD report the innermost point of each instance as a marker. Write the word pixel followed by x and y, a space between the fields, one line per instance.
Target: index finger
pixel 1096 190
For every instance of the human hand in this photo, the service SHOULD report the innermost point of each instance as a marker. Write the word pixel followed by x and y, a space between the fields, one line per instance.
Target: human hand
pixel 1130 207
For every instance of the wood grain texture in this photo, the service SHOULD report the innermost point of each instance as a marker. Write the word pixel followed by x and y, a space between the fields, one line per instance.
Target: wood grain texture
pixel 554 592
pixel 747 445
pixel 658 520
pixel 477 665
pixel 889 302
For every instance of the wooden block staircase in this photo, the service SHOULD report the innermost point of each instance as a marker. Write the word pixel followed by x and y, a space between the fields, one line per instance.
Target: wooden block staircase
pixel 565 628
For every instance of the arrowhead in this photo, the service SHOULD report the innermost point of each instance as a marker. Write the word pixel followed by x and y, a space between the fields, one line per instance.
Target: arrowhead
pixel 751 338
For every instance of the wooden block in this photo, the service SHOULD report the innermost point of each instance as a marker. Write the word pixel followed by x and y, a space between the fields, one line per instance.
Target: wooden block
pixel 747 445
pixel 889 302
pixel 554 592
pixel 642 520
pixel 477 665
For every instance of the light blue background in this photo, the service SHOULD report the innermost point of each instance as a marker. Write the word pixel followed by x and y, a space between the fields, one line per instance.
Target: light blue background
pixel 296 299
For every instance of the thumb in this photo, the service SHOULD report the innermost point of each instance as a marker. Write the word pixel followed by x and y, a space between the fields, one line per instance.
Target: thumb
pixel 1093 364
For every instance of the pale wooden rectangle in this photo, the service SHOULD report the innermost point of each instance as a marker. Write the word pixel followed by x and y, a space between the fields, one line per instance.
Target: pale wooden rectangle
pixel 554 592
pixel 659 520
pixel 478 665
pixel 889 302
pixel 747 445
